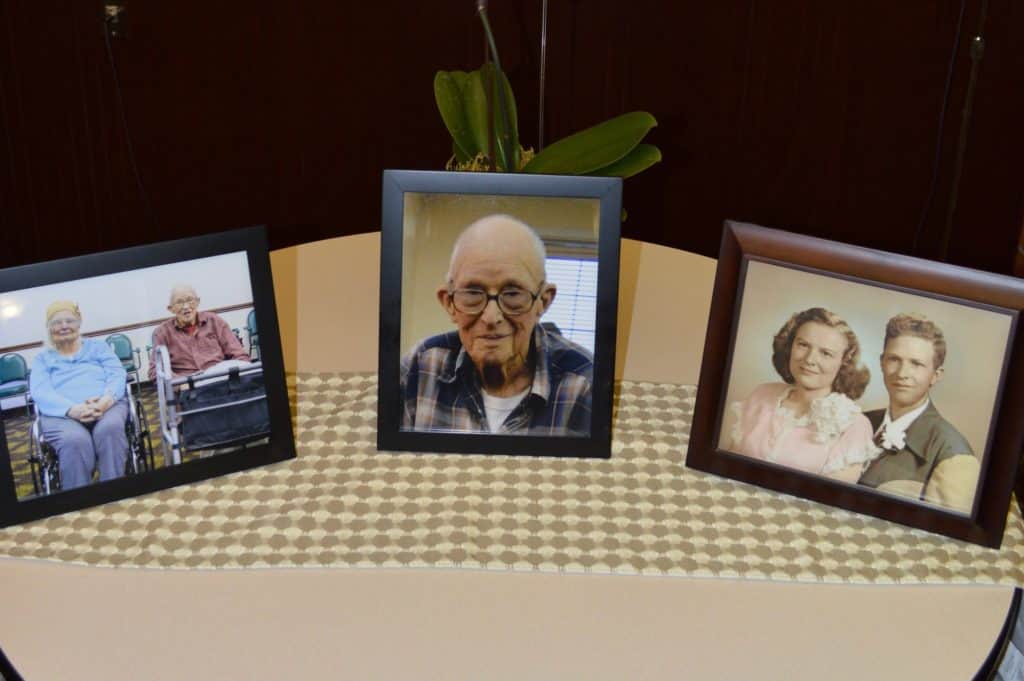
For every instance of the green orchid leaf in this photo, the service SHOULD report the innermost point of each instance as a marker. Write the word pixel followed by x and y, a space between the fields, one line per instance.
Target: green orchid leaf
pixel 448 93
pixel 505 121
pixel 462 102
pixel 474 97
pixel 460 156
pixel 506 135
pixel 642 157
pixel 593 148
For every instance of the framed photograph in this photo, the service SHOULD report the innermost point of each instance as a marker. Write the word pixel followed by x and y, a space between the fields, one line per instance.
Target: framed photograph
pixel 499 296
pixel 880 383
pixel 136 370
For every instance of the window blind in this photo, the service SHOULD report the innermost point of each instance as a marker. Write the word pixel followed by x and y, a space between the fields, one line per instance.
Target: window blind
pixel 575 308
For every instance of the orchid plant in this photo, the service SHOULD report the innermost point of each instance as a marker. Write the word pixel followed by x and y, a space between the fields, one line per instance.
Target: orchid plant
pixel 479 110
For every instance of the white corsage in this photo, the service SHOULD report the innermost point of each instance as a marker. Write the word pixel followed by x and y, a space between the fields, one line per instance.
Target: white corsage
pixel 831 415
pixel 893 438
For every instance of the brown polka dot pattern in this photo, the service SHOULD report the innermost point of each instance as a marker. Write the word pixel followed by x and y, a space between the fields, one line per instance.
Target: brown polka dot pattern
pixel 342 503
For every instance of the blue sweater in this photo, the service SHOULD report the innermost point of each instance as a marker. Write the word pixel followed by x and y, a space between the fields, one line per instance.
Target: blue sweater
pixel 57 383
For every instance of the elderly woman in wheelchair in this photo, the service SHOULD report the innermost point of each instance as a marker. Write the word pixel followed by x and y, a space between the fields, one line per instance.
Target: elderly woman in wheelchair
pixel 78 386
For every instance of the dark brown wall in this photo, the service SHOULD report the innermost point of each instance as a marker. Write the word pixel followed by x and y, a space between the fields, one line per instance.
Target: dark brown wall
pixel 820 117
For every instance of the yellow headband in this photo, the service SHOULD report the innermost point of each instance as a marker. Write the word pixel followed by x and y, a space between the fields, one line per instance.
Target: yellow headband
pixel 61 306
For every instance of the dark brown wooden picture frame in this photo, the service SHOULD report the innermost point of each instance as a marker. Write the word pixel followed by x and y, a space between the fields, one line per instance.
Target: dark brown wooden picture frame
pixel 1002 296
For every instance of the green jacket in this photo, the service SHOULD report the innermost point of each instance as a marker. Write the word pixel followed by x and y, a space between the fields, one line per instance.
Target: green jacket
pixel 936 464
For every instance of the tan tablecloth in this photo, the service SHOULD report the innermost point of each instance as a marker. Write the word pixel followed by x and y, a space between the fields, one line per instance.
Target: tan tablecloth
pixel 342 503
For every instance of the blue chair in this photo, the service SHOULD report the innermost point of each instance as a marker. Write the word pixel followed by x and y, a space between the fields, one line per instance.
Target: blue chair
pixel 129 355
pixel 254 335
pixel 14 377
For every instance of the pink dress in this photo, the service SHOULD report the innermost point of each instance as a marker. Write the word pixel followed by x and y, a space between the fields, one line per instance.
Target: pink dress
pixel 833 435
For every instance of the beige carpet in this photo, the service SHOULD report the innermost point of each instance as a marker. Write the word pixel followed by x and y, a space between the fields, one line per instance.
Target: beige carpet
pixel 341 503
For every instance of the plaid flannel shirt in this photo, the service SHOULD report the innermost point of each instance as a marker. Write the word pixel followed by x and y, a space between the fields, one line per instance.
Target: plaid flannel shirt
pixel 441 390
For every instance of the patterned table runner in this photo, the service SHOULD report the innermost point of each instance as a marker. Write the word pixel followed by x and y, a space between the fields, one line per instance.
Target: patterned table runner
pixel 341 503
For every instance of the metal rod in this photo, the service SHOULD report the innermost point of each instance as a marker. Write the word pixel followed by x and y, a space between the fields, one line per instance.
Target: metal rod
pixel 200 410
pixel 977 51
pixel 543 70
pixel 252 368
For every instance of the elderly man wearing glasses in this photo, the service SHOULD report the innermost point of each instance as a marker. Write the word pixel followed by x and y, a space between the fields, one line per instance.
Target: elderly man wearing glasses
pixel 195 340
pixel 500 371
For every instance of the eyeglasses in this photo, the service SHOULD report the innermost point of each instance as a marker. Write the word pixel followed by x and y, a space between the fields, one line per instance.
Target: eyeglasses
pixel 182 302
pixel 54 323
pixel 512 301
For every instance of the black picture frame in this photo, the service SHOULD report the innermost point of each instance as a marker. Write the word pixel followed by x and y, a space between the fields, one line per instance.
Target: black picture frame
pixel 250 243
pixel 400 184
pixel 746 248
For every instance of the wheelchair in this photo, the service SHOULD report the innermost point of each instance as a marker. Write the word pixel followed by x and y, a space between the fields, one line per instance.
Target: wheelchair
pixel 212 410
pixel 45 464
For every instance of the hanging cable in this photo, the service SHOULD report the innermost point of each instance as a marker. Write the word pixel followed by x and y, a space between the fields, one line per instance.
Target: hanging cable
pixel 977 52
pixel 942 126
pixel 127 135
pixel 543 70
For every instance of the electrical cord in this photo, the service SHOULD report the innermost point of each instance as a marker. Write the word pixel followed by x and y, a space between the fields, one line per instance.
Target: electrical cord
pixel 942 127
pixel 543 73
pixel 151 214
pixel 977 52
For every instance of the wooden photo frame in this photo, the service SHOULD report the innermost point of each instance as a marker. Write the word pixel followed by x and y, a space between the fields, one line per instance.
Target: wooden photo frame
pixel 547 370
pixel 880 383
pixel 132 377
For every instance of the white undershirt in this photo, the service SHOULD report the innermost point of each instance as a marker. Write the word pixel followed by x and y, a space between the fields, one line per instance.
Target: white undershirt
pixel 497 409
